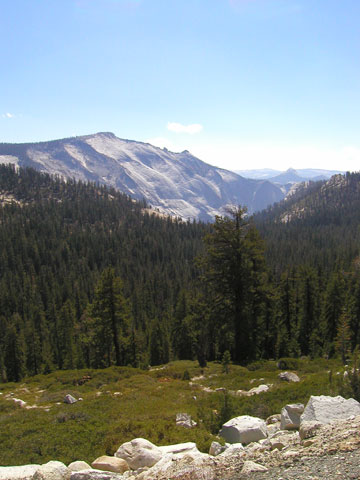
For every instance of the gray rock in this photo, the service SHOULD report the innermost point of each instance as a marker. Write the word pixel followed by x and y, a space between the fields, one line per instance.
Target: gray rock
pixel 250 467
pixel 273 428
pixel 233 450
pixel 244 429
pixel 69 399
pixel 324 409
pixel 309 429
pixel 216 448
pixel 95 475
pixel 283 439
pixel 184 420
pixel 199 466
pixel 290 416
pixel 289 377
pixel 273 419
pixel 139 453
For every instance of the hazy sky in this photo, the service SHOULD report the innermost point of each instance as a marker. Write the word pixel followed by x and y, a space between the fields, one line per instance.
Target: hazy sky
pixel 239 83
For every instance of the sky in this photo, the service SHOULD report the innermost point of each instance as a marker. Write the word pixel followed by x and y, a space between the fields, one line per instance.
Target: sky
pixel 241 84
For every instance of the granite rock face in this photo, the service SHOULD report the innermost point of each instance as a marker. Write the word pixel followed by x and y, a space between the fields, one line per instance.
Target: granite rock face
pixel 324 409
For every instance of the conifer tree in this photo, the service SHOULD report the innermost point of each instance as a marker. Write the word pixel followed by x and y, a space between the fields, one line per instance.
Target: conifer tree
pixel 234 270
pixel 110 313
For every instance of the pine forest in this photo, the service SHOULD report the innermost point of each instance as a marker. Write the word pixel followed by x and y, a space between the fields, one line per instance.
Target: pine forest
pixel 89 278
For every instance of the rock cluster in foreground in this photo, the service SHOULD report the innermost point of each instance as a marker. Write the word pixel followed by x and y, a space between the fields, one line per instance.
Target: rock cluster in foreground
pixel 327 425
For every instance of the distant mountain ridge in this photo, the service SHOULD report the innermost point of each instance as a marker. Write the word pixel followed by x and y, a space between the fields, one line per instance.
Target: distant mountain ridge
pixel 290 175
pixel 176 183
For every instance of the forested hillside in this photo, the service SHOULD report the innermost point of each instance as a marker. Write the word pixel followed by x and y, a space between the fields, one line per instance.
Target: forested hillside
pixel 312 251
pixel 91 278
pixel 55 248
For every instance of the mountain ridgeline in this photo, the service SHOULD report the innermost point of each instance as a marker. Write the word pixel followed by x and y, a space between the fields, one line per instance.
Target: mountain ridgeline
pixel 91 278
pixel 176 183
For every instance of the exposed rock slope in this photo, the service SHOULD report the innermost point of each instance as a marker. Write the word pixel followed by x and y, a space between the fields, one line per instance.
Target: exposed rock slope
pixel 176 183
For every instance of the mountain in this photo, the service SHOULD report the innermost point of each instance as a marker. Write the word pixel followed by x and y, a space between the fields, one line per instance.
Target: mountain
pixel 175 183
pixel 304 173
pixel 290 176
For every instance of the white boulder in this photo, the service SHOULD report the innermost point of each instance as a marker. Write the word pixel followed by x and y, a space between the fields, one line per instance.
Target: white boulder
pixel 244 429
pixel 139 453
pixel 23 472
pixel 260 389
pixel 290 416
pixel 180 448
pixel 324 409
pixel 289 377
pixel 52 471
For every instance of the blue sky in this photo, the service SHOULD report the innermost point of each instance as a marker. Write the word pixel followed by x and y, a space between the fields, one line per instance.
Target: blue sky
pixel 239 83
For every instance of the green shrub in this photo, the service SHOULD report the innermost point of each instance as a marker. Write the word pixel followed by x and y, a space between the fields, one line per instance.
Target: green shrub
pixel 288 363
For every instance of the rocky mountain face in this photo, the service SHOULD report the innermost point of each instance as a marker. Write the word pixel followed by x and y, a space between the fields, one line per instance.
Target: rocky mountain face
pixel 175 183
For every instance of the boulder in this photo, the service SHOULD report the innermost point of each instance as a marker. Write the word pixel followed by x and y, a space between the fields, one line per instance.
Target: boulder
pixel 95 475
pixel 184 420
pixel 69 399
pixel 257 390
pixel 179 448
pixel 244 429
pixel 324 409
pixel 19 402
pixel 216 448
pixel 78 465
pixel 273 428
pixel 309 429
pixel 273 419
pixel 24 472
pixel 283 439
pixel 233 450
pixel 289 377
pixel 250 467
pixel 290 416
pixel 198 466
pixel 52 471
pixel 139 453
pixel 110 464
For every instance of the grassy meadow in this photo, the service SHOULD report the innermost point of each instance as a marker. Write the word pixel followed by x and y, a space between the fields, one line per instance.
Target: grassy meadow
pixel 122 403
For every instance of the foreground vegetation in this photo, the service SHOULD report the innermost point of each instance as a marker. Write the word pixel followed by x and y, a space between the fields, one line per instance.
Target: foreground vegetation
pixel 122 403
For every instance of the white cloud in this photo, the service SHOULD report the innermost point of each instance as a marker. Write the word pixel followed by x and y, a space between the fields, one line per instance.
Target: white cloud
pixel 179 128
pixel 8 115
